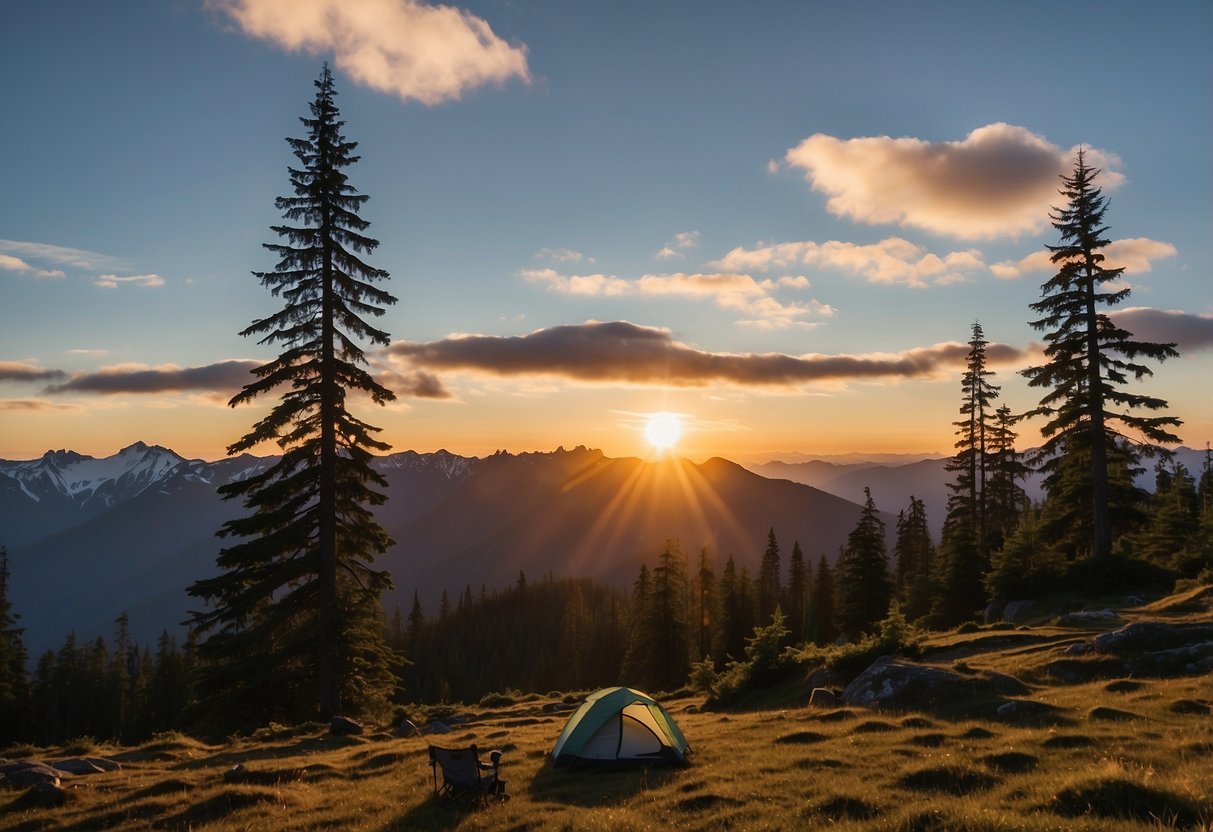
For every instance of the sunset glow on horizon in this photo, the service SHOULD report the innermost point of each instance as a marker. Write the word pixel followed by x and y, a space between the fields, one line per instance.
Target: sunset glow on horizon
pixel 782 223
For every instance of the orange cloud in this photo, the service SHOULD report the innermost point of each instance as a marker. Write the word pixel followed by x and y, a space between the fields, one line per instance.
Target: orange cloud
pixel 1000 180
pixel 428 53
pixel 892 260
pixel 619 352
pixel 25 371
pixel 1134 254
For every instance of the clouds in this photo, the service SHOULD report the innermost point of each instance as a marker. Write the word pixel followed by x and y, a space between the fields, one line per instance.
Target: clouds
pixel 1000 180
pixel 25 371
pixel 891 261
pixel 677 247
pixel 226 377
pixel 113 281
pixel 619 352
pixel 427 53
pixel 1136 255
pixel 738 292
pixel 9 263
pixel 1191 333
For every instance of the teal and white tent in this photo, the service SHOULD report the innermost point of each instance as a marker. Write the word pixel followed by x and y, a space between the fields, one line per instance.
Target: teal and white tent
pixel 620 726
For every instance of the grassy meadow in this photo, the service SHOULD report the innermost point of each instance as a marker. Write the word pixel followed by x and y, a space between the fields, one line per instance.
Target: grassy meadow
pixel 1114 755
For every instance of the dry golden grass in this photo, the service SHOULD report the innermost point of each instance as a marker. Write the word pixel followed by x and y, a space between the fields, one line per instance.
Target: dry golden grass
pixel 1088 767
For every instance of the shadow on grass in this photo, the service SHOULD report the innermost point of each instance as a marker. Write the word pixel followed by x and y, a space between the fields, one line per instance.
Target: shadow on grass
pixel 595 788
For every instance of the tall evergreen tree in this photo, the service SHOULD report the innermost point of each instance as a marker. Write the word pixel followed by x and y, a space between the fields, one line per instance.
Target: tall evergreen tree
pixel 288 612
pixel 703 619
pixel 915 557
pixel 799 584
pixel 864 585
pixel 1089 361
pixel 1004 495
pixel 822 629
pixel 769 589
pixel 14 683
pixel 968 499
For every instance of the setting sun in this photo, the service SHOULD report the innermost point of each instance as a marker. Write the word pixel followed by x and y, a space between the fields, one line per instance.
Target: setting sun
pixel 663 430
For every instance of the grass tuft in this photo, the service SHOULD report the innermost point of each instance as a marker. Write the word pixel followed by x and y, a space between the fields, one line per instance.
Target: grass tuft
pixel 1011 762
pixel 1120 797
pixel 801 738
pixel 1106 714
pixel 947 779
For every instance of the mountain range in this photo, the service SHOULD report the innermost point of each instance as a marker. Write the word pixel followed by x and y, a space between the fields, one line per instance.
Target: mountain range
pixel 91 538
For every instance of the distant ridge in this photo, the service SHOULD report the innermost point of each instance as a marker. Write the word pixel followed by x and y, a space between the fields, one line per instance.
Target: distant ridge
pixel 91 538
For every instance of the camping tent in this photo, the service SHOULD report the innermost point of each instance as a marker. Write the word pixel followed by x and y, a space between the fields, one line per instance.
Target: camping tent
pixel 620 726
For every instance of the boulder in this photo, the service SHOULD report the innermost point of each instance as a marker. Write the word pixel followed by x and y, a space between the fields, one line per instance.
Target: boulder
pixel 1188 659
pixel 23 774
pixel 1139 636
pixel 1016 611
pixel 897 685
pixel 1088 618
pixel 41 796
pixel 343 726
pixel 78 765
pixel 823 698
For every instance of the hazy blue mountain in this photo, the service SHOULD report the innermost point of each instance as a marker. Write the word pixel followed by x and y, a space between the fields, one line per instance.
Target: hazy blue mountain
pixel 92 538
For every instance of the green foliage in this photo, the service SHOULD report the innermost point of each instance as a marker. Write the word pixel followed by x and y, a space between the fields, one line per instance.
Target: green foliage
pixel 1026 565
pixel 658 647
pixel 292 628
pixel 914 554
pixel 968 501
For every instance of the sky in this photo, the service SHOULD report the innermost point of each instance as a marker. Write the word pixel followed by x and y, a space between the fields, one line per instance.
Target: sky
pixel 776 220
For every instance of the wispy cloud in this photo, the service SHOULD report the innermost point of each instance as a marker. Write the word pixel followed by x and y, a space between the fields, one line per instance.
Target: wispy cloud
pixel 414 50
pixel 9 263
pixel 1191 333
pixel 682 242
pixel 738 292
pixel 891 261
pixel 1000 180
pixel 113 281
pixel 1135 254
pixel 562 255
pixel 35 406
pixel 620 352
pixel 225 377
pixel 62 256
pixel 26 371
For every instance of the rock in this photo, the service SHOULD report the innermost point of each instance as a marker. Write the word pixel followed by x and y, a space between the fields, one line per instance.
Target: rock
pixel 1088 618
pixel 1139 636
pixel 23 774
pixel 104 763
pixel 992 612
pixel 1079 648
pixel 437 728
pixel 1016 611
pixel 78 765
pixel 823 698
pixel 902 686
pixel 343 726
pixel 1189 659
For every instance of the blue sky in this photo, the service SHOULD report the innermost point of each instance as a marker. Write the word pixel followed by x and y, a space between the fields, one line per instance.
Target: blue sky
pixel 774 219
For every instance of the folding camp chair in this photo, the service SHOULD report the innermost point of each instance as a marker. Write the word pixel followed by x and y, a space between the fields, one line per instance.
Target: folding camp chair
pixel 464 776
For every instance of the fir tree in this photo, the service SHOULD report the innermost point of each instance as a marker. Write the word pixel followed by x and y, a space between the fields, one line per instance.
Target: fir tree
pixel 1005 495
pixel 822 629
pixel 864 585
pixel 769 589
pixel 14 683
pixel 704 617
pixel 799 585
pixel 915 557
pixel 968 499
pixel 289 613
pixel 1089 361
